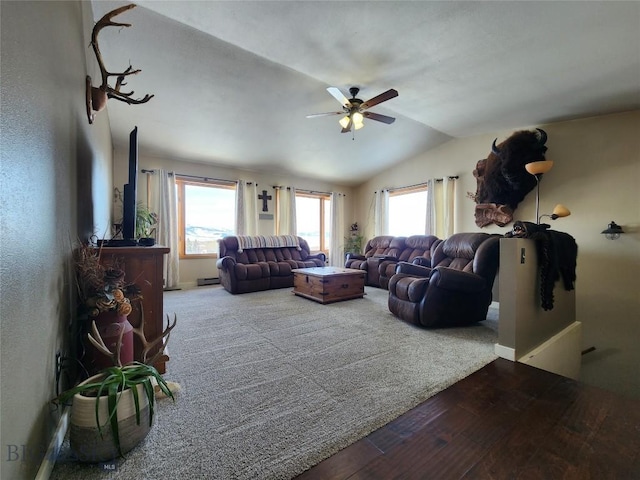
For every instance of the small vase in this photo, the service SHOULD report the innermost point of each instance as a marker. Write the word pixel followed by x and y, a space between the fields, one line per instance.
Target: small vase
pixel 110 325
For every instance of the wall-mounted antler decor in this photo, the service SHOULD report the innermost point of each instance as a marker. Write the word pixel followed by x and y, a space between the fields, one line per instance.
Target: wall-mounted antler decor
pixel 502 180
pixel 97 96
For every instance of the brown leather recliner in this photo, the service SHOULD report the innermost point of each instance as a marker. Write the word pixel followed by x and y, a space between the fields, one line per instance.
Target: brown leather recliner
pixel 415 246
pixel 376 250
pixel 455 290
pixel 384 250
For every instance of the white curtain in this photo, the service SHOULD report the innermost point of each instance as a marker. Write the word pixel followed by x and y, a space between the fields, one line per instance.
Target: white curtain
pixel 430 224
pixel 246 208
pixel 441 207
pixel 286 224
pixel 448 206
pixel 381 213
pixel 336 252
pixel 164 201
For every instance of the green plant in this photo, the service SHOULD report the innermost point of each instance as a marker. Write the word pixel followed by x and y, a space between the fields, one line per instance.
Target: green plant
pixel 145 220
pixel 353 244
pixel 115 380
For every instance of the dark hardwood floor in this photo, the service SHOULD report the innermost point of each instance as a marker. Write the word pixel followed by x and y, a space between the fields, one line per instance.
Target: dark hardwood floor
pixel 506 421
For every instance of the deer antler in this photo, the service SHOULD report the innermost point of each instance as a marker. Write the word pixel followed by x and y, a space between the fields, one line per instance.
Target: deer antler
pixel 97 96
pixel 147 346
pixel 96 341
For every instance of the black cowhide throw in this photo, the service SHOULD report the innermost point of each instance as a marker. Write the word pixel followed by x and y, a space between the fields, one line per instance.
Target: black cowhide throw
pixel 557 256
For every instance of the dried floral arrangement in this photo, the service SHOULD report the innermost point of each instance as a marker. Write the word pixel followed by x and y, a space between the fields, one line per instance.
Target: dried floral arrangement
pixel 102 288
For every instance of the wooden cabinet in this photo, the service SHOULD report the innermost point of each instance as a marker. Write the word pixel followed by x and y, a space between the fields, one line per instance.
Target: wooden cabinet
pixel 143 267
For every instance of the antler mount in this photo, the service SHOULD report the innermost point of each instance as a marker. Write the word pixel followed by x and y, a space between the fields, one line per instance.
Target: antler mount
pixel 96 97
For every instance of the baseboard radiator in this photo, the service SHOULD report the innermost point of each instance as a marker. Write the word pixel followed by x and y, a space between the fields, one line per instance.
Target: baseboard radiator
pixel 208 281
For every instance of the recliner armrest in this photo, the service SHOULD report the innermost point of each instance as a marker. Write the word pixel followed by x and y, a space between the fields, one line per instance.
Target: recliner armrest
pixel 411 269
pixel 382 258
pixel 225 263
pixel 452 279
pixel 320 256
pixel 424 261
pixel 355 256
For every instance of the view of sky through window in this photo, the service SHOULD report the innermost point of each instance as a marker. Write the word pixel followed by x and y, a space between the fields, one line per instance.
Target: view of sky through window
pixel 408 213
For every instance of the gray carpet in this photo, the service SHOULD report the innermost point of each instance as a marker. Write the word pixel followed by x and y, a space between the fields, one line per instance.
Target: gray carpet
pixel 273 383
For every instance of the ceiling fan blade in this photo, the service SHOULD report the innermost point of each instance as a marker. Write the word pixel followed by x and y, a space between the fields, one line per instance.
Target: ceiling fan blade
pixel 314 115
pixel 338 95
pixel 379 118
pixel 383 97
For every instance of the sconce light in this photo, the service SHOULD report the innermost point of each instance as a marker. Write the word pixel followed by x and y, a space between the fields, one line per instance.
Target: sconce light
pixel 559 211
pixel 537 169
pixel 613 231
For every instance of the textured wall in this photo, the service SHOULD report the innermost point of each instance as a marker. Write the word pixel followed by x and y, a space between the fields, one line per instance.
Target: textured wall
pixel 55 186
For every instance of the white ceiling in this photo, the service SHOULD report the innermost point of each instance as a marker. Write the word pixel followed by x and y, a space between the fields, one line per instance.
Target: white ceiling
pixel 234 80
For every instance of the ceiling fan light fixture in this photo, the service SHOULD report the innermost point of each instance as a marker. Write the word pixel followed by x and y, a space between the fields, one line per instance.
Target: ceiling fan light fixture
pixel 358 126
pixel 357 117
pixel 344 121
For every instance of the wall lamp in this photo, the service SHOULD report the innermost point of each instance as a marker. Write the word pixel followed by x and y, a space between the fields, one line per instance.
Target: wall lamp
pixel 613 231
pixel 559 211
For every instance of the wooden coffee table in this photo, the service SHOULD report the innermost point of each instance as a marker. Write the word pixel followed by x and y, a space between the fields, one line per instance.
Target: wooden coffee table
pixel 328 284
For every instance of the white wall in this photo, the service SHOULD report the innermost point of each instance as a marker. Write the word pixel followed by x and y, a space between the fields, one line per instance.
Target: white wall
pixel 55 174
pixel 597 175
pixel 191 270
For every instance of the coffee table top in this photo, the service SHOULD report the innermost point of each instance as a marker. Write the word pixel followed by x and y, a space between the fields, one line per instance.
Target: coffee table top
pixel 328 271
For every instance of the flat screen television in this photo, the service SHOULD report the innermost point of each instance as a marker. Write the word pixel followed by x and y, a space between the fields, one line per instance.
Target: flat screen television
pixel 131 190
pixel 129 199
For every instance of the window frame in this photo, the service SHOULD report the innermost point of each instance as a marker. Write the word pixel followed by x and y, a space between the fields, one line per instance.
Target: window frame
pixel 181 182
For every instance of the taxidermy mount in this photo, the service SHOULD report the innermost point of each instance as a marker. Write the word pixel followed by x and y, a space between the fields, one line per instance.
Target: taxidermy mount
pixel 502 181
pixel 97 96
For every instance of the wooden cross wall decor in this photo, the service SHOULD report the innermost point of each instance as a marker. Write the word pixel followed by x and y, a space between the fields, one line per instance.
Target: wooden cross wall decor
pixel 264 197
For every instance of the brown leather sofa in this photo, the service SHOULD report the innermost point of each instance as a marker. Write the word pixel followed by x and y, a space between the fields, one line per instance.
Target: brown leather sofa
pixel 250 269
pixel 455 289
pixel 382 253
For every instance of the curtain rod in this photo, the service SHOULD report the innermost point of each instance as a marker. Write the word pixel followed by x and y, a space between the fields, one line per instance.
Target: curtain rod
pixel 279 187
pixel 196 177
pixel 451 177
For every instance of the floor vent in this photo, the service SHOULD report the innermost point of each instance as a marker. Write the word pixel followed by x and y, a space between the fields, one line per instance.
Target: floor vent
pixel 208 281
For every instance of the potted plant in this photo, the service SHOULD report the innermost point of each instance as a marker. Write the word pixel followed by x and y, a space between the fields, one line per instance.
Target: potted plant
pixel 353 243
pixel 145 221
pixel 113 411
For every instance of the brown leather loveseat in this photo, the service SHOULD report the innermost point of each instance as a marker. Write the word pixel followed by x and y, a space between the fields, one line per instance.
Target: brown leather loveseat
pixel 382 254
pixel 253 263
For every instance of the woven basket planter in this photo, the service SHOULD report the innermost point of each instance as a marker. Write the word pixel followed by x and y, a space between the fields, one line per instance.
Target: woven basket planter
pixel 86 441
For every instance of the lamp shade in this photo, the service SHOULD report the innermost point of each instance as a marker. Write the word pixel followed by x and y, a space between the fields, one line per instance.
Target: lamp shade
pixel 537 168
pixel 344 121
pixel 560 211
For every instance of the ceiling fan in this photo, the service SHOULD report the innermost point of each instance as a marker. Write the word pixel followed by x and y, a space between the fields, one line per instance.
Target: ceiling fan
pixel 355 110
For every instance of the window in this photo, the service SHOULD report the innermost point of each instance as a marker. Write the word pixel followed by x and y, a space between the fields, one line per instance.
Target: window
pixel 408 211
pixel 313 220
pixel 207 212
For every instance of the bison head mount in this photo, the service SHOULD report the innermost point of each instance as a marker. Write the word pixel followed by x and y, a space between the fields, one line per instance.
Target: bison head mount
pixel 502 180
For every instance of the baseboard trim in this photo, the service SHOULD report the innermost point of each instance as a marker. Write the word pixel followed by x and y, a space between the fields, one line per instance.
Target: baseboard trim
pixel 507 353
pixel 49 460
